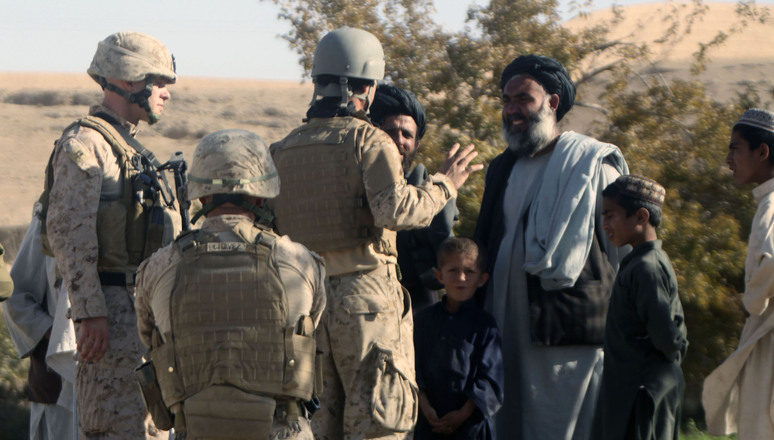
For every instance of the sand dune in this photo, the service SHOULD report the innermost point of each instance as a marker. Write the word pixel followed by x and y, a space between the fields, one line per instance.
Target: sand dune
pixel 747 39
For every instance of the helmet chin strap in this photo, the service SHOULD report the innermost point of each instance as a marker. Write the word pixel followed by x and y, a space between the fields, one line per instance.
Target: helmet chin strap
pixel 140 98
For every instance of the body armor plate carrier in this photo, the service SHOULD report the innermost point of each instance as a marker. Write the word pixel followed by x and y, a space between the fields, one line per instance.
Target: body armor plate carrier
pixel 323 204
pixel 129 228
pixel 230 324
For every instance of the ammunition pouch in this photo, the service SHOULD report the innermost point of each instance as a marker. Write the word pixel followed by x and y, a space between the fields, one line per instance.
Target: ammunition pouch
pixel 151 394
pixel 224 412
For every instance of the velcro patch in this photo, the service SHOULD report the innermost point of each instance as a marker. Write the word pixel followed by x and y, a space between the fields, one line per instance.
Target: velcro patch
pixel 76 155
pixel 227 247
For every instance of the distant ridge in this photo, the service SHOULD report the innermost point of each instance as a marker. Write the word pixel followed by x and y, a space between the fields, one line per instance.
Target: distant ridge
pixel 644 22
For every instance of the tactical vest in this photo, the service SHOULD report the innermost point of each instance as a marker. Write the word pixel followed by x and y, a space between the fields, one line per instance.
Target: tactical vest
pixel 323 203
pixel 125 231
pixel 230 324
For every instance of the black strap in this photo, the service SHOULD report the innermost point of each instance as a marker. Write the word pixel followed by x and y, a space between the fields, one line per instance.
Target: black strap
pixel 116 279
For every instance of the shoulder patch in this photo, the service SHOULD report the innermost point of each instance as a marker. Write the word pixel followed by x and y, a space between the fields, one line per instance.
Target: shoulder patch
pixel 76 155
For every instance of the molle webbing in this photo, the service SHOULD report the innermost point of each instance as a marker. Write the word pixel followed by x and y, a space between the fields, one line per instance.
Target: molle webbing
pixel 123 248
pixel 323 203
pixel 229 316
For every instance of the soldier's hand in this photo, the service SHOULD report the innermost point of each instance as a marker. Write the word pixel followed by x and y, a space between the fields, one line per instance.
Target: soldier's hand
pixel 92 339
pixel 457 165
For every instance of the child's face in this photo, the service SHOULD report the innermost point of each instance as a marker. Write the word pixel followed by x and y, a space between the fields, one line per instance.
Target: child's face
pixel 620 228
pixel 745 163
pixel 460 276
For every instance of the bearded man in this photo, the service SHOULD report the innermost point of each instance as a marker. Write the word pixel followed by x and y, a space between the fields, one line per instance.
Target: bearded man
pixel 552 265
pixel 400 114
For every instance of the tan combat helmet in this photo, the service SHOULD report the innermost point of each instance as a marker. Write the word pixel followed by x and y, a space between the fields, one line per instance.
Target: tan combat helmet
pixel 133 56
pixel 347 53
pixel 228 164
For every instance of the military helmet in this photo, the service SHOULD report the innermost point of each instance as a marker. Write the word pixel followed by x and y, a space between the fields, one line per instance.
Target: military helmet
pixel 351 53
pixel 233 162
pixel 132 56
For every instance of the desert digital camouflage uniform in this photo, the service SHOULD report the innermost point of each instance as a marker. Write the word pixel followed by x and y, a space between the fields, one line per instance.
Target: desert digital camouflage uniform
pixel 302 273
pixel 229 311
pixel 368 320
pixel 87 171
pixel 98 225
pixel 344 196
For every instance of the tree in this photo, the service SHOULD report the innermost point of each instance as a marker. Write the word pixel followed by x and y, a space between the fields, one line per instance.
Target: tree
pixel 663 127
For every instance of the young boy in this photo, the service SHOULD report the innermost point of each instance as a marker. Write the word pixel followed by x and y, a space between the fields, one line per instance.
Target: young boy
pixel 645 335
pixel 458 358
pixel 737 396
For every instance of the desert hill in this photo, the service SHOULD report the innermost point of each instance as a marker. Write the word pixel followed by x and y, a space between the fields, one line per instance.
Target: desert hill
pixel 35 107
pixel 744 60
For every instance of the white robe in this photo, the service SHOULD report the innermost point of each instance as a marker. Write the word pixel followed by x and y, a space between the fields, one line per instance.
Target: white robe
pixel 550 392
pixel 739 395
pixel 34 308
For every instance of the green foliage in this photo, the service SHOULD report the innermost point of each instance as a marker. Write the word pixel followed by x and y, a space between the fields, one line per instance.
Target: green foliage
pixel 14 408
pixel 671 131
pixel 692 432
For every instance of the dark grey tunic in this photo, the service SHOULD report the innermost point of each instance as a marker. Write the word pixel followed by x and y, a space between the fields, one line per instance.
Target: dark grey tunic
pixel 645 341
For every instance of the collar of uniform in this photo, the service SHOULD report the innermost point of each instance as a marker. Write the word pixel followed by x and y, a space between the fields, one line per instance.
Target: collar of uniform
pixel 226 221
pixel 131 128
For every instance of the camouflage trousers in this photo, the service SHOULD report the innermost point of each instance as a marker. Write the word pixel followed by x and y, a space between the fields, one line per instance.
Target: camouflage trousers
pixel 110 405
pixel 368 370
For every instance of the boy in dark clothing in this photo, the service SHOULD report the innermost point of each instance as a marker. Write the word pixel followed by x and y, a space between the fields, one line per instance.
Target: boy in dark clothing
pixel 645 334
pixel 458 358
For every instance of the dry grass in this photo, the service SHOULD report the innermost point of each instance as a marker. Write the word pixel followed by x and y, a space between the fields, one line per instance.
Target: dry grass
pixel 36 107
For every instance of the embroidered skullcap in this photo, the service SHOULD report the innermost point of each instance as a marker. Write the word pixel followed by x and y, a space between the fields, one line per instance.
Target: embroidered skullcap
pixel 550 73
pixel 393 101
pixel 758 118
pixel 641 188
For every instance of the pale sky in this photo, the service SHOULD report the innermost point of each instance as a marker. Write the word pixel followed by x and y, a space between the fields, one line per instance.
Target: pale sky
pixel 227 38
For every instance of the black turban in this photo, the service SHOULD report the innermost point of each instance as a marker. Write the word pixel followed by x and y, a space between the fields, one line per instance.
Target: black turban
pixel 392 101
pixel 549 73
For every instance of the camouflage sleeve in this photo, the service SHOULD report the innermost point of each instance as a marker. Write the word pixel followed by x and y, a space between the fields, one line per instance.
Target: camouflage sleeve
pixel 394 203
pixel 320 298
pixel 72 223
pixel 155 282
pixel 303 275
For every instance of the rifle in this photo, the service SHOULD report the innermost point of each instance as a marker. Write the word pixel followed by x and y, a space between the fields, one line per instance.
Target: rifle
pixel 178 165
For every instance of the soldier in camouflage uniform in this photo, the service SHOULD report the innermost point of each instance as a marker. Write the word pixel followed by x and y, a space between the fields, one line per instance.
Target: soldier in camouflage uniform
pixel 101 219
pixel 344 196
pixel 269 295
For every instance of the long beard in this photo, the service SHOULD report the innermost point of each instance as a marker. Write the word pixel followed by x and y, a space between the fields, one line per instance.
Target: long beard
pixel 538 136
